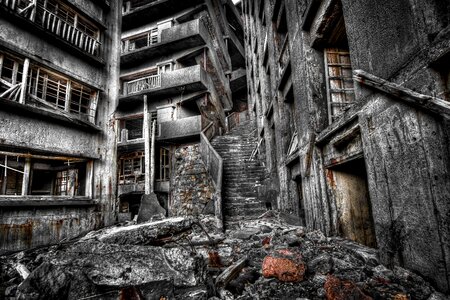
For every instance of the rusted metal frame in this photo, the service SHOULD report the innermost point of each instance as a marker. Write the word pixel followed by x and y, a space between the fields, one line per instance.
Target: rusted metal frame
pixel 429 103
pixel 38 156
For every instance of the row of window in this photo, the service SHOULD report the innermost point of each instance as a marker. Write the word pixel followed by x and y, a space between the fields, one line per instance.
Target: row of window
pixel 53 88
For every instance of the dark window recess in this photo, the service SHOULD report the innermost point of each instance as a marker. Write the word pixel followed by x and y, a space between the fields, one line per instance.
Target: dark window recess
pixel 132 168
pixel 58 178
pixel 134 127
pixel 164 165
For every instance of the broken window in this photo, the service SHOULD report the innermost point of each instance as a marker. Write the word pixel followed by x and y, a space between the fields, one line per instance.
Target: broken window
pixel 57 178
pixel 141 40
pixel 62 93
pixel 11 175
pixel 164 164
pixel 11 69
pixel 339 81
pixel 132 168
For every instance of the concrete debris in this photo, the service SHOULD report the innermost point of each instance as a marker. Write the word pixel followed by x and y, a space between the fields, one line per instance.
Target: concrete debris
pixel 158 260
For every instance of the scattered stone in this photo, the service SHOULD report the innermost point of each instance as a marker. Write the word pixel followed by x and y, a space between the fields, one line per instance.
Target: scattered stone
pixel 285 265
pixel 246 233
pixel 337 289
pixel 265 229
pixel 22 270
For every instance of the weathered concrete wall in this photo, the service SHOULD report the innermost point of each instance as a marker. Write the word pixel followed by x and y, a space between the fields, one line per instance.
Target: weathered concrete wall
pixel 24 226
pixel 192 189
pixel 404 149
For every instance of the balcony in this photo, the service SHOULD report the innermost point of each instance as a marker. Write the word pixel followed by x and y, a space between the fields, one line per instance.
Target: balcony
pixel 186 80
pixel 187 35
pixel 181 129
pixel 136 13
pixel 43 20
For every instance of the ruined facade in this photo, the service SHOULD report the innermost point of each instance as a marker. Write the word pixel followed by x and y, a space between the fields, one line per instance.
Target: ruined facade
pixel 58 88
pixel 351 103
pixel 176 75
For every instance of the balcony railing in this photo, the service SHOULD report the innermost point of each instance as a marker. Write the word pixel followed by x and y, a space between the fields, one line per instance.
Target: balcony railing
pixel 55 24
pixel 146 83
pixel 142 41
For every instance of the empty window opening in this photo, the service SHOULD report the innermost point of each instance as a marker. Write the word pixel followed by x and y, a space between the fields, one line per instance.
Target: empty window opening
pixel 348 183
pixel 58 178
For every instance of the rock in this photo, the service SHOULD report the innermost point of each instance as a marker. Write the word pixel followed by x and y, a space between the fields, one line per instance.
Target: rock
pixel 285 265
pixel 246 277
pixel 114 266
pixel 149 208
pixel 11 290
pixel 22 270
pixel 321 264
pixel 246 233
pixel 201 294
pixel 337 289
pixel 381 272
pixel 316 236
pixel 367 255
pixel 438 296
pixel 265 229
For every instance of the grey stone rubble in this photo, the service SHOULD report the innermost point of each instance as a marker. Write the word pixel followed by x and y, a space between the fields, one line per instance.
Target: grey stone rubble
pixel 187 258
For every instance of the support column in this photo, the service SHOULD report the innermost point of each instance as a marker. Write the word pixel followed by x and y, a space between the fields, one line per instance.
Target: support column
pixel 26 69
pixel 152 159
pixel 26 176
pixel 147 146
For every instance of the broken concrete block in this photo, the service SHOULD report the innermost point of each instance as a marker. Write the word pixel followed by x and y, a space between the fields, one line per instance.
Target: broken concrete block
pixel 149 208
pixel 151 233
pixel 22 270
pixel 285 265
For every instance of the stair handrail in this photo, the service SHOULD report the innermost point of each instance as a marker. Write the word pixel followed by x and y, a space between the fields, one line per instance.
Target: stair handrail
pixel 212 159
pixel 235 118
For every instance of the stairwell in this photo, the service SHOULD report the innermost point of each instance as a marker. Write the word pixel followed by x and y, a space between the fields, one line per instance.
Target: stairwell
pixel 241 177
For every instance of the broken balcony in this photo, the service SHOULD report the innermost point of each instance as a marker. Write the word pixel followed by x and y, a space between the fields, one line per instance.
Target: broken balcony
pixel 83 34
pixel 157 42
pixel 136 13
pixel 181 129
pixel 178 82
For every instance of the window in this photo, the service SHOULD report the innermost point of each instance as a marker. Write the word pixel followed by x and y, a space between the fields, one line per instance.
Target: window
pixel 58 178
pixel 134 127
pixel 11 175
pixel 339 81
pixel 62 93
pixel 164 164
pixel 11 69
pixel 141 41
pixel 132 168
pixel 47 177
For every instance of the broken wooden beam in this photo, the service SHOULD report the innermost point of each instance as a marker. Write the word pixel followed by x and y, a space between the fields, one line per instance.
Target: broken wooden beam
pixel 426 102
pixel 231 272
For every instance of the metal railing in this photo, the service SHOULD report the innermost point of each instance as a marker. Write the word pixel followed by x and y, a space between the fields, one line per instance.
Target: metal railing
pixel 145 83
pixel 143 40
pixel 214 165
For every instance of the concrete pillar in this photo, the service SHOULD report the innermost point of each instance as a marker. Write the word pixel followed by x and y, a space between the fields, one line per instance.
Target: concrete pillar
pixel 147 150
pixel 26 176
pixel 23 92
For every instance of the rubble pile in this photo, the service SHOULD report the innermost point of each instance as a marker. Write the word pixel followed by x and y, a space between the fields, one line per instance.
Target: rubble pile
pixel 187 258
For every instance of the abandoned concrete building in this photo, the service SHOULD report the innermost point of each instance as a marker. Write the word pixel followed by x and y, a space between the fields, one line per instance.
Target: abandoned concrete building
pixel 350 99
pixel 333 112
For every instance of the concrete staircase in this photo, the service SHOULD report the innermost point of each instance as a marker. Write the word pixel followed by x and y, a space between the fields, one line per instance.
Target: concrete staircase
pixel 241 177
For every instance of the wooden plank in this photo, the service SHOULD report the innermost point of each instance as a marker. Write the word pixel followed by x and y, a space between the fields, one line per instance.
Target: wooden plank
pixel 428 103
pixel 26 176
pixel 26 68
pixel 146 129
pixel 231 272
